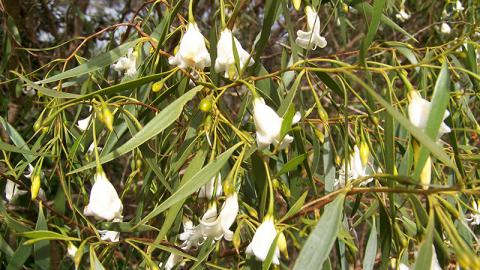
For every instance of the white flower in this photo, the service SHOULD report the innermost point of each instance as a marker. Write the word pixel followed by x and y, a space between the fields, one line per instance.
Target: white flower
pixel 434 265
pixel 91 148
pixel 219 226
pixel 29 91
pixel 12 192
pixel 206 191
pixel 29 172
pixel 193 51
pixel 104 201
pixel 112 236
pixel 71 250
pixel 262 241
pixel 474 216
pixel 269 124
pixel 172 260
pixel 356 169
pixel 403 266
pixel 83 123
pixel 419 111
pixel 311 39
pixel 402 15
pixel 458 6
pixel 127 64
pixel 225 61
pixel 445 28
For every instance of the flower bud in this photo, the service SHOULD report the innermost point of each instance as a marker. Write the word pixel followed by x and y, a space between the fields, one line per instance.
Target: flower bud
pixel 345 8
pixel 296 4
pixel 205 104
pixel 320 135
pixel 158 86
pixel 282 244
pixel 35 188
pixel 364 153
pixel 426 174
pixel 107 118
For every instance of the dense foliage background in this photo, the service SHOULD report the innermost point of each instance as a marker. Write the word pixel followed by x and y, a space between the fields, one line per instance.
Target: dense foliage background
pixel 362 185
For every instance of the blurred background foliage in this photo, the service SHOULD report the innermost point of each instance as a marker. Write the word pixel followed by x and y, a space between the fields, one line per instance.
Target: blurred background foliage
pixel 352 92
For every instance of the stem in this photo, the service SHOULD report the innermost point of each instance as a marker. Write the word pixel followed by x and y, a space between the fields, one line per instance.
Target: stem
pixel 191 18
pixel 97 156
pixel 222 13
pixel 270 189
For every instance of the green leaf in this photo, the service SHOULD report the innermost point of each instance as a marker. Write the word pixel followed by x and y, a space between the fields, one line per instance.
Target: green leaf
pixel 11 148
pixel 440 99
pixel 95 264
pixel 159 123
pixel 292 164
pixel 271 252
pixel 378 7
pixel 424 257
pixel 295 207
pixel 371 249
pixel 46 91
pixel 425 140
pixel 364 6
pixel 94 64
pixel 41 249
pixel 321 239
pixel 19 257
pixel 39 235
pixel 286 103
pixel 271 7
pixel 192 184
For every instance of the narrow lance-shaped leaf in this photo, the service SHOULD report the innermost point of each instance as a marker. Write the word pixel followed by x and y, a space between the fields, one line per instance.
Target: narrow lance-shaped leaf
pixel 159 123
pixel 321 239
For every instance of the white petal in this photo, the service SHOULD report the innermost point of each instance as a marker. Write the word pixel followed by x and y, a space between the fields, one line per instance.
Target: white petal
pixel 228 214
pixel 83 123
pixel 262 240
pixel 267 122
pixel 193 51
pixel 104 201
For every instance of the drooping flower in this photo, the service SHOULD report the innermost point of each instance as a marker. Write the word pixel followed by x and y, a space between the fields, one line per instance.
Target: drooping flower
pixel 225 62
pixel 269 124
pixel 419 111
pixel 104 201
pixel 112 236
pixel 71 250
pixel 445 28
pixel 207 190
pixel 311 38
pixel 458 6
pixel 474 218
pixel 228 215
pixel 193 51
pixel 191 237
pixel 12 191
pixel 218 226
pixel 356 169
pixel 29 91
pixel 262 241
pixel 127 64
pixel 82 124
pixel 402 15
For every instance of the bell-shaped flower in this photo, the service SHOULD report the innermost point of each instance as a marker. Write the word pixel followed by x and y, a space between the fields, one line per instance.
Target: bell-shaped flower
pixel 12 191
pixel 104 201
pixel 356 169
pixel 71 250
pixel 218 226
pixel 29 91
pixel 311 38
pixel 402 15
pixel 193 51
pixel 263 240
pixel 225 62
pixel 207 190
pixel 82 124
pixel 419 111
pixel 458 6
pixel 112 236
pixel 445 28
pixel 172 260
pixel 127 64
pixel 269 125
pixel 474 218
